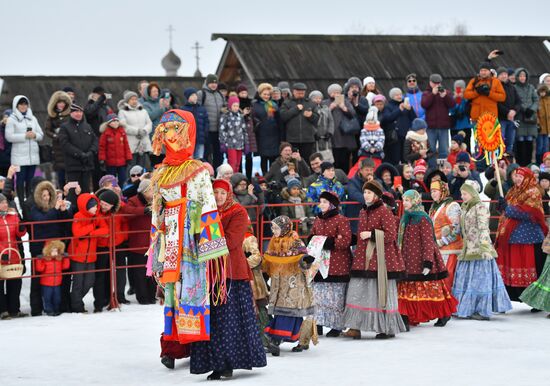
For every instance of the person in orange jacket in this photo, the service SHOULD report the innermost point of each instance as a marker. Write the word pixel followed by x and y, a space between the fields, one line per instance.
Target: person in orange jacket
pixel 484 91
pixel 87 228
pixel 52 263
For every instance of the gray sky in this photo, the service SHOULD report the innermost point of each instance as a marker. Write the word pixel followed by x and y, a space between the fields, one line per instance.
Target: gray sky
pixel 122 37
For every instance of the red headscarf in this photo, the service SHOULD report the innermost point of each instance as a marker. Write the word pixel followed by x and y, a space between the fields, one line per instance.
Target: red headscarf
pixel 229 202
pixel 184 124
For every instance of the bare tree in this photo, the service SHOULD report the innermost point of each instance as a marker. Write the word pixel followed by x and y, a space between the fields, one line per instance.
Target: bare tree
pixel 460 28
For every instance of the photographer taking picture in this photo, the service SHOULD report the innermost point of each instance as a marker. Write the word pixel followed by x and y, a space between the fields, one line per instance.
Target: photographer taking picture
pixel 461 173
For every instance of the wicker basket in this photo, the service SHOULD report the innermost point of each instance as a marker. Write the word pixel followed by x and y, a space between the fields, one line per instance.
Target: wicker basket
pixel 11 271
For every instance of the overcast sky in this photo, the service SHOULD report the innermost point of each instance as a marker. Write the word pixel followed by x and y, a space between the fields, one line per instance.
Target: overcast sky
pixel 123 37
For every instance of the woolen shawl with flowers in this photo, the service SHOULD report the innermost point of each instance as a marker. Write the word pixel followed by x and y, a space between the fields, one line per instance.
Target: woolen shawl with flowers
pixel 445 196
pixel 412 216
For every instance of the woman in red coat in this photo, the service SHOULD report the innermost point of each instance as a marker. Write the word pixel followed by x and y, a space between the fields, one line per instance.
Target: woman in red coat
pixel 371 303
pixel 234 337
pixel 330 293
pixel 114 151
pixel 423 295
pixel 10 231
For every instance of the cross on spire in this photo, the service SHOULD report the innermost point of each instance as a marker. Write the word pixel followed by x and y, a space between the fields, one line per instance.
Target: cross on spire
pixel 170 30
pixel 197 47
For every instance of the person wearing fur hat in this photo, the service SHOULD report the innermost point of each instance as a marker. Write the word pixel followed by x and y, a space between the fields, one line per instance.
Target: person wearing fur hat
pixel 11 231
pixel 114 152
pixel 138 126
pixel 423 295
pixel 359 102
pixel 478 284
pixel 343 144
pixel 404 115
pixel 371 301
pixel 59 109
pixel 47 208
pixel 24 133
pixel 79 144
pixel 295 197
pixel 329 292
pixel 372 138
pixel 233 135
pixel 235 342
pixel 437 101
pixel 414 95
pixel 445 214
pixel 50 265
pixel 291 299
pixel 201 120
pixel 520 234
pixel 86 230
pixel 325 182
pixel 484 93
pixel 416 144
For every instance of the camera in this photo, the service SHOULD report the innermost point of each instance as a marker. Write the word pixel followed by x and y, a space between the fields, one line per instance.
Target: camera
pixel 29 129
pixel 462 168
pixel 440 88
pixel 355 94
pixel 295 150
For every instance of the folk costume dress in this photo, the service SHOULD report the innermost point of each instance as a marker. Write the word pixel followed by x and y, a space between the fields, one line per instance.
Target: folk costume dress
pixel 537 295
pixel 367 309
pixel 478 285
pixel 330 293
pixel 445 215
pixel 422 297
pixel 290 298
pixel 188 247
pixel 234 340
pixel 520 234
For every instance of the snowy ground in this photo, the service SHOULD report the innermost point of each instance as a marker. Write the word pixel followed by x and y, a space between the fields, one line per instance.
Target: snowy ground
pixel 122 348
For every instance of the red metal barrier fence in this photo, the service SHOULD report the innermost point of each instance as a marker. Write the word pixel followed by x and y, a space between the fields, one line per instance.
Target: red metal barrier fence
pixel 259 224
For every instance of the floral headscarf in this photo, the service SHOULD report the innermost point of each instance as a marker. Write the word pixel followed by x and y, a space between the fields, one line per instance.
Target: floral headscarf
pixel 413 215
pixel 229 202
pixel 527 192
pixel 284 223
pixel 445 195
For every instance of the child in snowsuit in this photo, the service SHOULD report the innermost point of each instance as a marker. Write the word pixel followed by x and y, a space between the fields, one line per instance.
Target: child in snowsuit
pixel 52 263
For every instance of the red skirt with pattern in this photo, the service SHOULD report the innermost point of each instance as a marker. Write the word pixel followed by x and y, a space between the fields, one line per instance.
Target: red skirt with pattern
pixel 517 264
pixel 423 301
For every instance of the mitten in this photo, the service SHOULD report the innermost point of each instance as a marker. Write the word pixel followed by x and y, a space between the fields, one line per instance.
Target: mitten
pixel 329 243
pixel 425 271
pixel 309 259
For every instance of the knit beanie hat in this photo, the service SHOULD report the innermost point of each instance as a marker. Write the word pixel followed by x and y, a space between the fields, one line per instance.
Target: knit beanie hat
pixel 111 117
pixel 459 83
pixel 109 196
pixel 211 78
pixel 379 98
pixel 241 87
pixel 463 157
pixel 91 203
pixel 143 185
pixel 293 182
pixel 315 93
pixel 546 156
pixel 335 87
pixel 502 69
pixel 394 92
pixel 128 94
pixel 485 66
pixel 367 80
pixel 372 115
pixel 108 178
pixel 458 138
pixel 232 100
pixel 542 176
pixel 419 124
pixel 222 86
pixel 75 107
pixel 330 197
pixel 419 167
pixel 374 186
pixel 326 165
pixel 189 91
pixel 136 169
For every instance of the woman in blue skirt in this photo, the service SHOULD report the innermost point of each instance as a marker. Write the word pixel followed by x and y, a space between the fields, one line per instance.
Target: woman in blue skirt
pixel 234 337
pixel 478 285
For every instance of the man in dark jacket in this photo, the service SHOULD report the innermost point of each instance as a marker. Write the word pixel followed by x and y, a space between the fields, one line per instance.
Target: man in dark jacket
pixel 213 101
pixel 315 161
pixel 300 118
pixel 80 146
pixel 437 101
pixel 462 173
pixel 355 191
pixel 279 168
pixel 508 109
pixel 201 120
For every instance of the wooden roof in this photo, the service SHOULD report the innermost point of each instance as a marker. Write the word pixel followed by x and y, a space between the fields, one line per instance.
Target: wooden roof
pixel 319 60
pixel 39 88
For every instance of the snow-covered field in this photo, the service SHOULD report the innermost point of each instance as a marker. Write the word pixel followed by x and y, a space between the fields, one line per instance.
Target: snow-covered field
pixel 122 348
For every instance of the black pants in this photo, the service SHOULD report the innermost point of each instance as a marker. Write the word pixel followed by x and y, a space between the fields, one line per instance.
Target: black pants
pixel 248 161
pixel 120 257
pixel 341 158
pixel 102 284
pixel 306 149
pixel 36 297
pixel 524 152
pixel 264 163
pixel 392 154
pixel 144 286
pixel 65 305
pixel 212 150
pixel 10 290
pixel 83 178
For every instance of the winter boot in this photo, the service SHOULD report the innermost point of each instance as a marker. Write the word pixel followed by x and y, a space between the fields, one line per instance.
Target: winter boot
pixel 217 375
pixel 442 322
pixel 535 310
pixel 319 330
pixel 406 322
pixel 333 333
pixel 300 348
pixel 384 336
pixel 352 333
pixel 272 348
pixel 5 316
pixel 168 362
